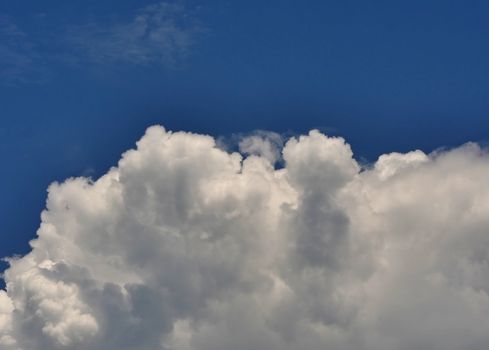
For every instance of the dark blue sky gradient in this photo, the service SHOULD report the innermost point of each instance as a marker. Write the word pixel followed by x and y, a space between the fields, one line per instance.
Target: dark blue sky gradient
pixel 386 75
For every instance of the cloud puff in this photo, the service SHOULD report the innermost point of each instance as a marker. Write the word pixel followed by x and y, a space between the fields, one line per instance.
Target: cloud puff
pixel 184 246
pixel 266 144
pixel 161 33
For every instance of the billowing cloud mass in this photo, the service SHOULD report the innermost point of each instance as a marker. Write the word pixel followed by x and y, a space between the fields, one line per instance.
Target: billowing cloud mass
pixel 184 246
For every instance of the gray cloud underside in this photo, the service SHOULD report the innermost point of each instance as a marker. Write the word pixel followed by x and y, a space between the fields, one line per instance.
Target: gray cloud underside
pixel 184 246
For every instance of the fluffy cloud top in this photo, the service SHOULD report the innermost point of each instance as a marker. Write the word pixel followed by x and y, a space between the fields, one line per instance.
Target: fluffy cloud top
pixel 184 246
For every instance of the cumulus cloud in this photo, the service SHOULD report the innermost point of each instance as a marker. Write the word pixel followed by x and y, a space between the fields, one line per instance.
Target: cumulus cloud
pixel 185 246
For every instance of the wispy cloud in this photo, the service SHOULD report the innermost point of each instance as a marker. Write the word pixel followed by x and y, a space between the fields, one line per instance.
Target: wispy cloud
pixel 19 59
pixel 161 33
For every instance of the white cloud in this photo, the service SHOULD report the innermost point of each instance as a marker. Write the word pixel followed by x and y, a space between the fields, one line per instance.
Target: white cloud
pixel 184 246
pixel 6 309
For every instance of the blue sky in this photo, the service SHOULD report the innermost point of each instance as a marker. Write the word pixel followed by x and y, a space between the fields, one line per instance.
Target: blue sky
pixel 79 82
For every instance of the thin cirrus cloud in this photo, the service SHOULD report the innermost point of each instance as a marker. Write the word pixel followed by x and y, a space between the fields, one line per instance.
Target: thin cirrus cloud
pixel 186 246
pixel 161 34
pixel 20 60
